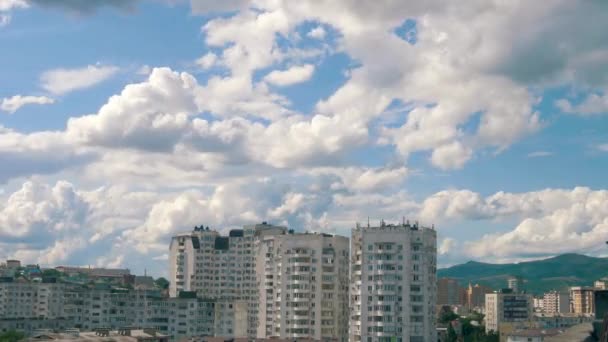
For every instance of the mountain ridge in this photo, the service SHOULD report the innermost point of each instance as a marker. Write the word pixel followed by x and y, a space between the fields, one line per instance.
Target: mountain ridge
pixel 553 273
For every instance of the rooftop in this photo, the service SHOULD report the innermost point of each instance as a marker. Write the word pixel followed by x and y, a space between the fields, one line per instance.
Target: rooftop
pixel 122 335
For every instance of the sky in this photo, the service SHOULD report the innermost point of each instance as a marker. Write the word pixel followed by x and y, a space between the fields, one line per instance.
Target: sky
pixel 123 122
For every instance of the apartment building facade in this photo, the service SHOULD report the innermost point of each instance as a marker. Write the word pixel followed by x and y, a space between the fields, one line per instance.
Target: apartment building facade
pixel 555 302
pixel 303 286
pixel 448 291
pixel 393 290
pixel 220 268
pixel 582 300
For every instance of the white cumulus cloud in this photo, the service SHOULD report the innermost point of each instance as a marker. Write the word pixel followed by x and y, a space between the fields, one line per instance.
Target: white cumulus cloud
pixel 293 75
pixel 61 81
pixel 12 104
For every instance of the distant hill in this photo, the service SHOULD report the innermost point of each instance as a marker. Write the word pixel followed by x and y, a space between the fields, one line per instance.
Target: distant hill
pixel 554 273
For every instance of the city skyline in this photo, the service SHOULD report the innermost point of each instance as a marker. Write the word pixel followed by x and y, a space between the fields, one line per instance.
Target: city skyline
pixel 125 123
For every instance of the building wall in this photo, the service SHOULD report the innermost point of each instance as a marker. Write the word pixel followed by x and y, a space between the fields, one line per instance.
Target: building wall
pixel 507 308
pixel 221 268
pixel 476 296
pixel 303 286
pixel 393 283
pixel 581 300
pixel 448 291
pixel 555 302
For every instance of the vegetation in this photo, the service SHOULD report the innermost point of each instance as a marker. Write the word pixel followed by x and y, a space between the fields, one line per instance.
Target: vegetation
pixel 540 276
pixel 162 283
pixel 446 317
pixel 470 332
pixel 51 273
pixel 11 336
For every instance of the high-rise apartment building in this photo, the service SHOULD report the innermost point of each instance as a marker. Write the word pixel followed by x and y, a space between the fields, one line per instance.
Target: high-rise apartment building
pixel 303 286
pixel 555 302
pixel 516 284
pixel 220 267
pixel 393 290
pixel 448 291
pixel 476 296
pixel 507 307
pixel 581 300
pixel 215 266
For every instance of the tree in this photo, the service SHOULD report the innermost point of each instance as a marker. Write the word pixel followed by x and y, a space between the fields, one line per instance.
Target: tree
pixel 447 316
pixel 162 283
pixel 452 337
pixel 51 273
pixel 12 336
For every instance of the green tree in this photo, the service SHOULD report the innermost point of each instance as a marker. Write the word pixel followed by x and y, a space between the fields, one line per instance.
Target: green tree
pixel 11 336
pixel 51 273
pixel 452 337
pixel 162 283
pixel 447 316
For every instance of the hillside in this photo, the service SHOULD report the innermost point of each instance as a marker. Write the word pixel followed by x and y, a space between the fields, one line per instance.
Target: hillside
pixel 557 273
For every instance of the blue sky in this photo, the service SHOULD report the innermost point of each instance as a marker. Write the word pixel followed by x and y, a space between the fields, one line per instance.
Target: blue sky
pixel 122 126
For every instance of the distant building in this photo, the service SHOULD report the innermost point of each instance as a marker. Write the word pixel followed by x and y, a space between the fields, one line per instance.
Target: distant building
pixel 111 274
pixel 476 296
pixel 516 284
pixel 13 264
pixel 448 291
pixel 601 284
pixel 582 300
pixel 538 304
pixel 121 335
pixel 507 307
pixel 555 302
pixel 532 335
pixel 393 283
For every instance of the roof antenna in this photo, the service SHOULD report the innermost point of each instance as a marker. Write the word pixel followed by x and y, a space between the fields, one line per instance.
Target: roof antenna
pixel 368 223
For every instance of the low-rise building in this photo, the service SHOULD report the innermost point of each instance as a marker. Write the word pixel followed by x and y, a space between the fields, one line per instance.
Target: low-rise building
pixel 120 335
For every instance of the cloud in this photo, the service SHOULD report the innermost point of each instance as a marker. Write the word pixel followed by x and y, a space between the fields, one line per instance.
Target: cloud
pixel 593 104
pixel 85 7
pixel 62 81
pixel 158 115
pixel 5 19
pixel 317 33
pixel 548 222
pixel 207 61
pixel 540 154
pixel 603 147
pixel 580 223
pixel 361 179
pixel 7 5
pixel 151 115
pixel 293 75
pixel 12 104
pixel 451 156
pixel 25 155
pixel 446 246
pixel 211 6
